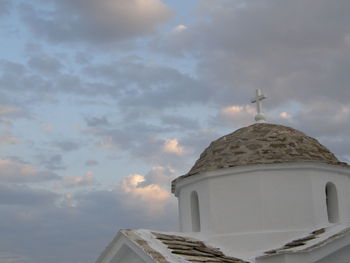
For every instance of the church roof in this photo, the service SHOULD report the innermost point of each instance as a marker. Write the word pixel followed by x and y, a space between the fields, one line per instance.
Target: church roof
pixel 175 248
pixel 166 247
pixel 194 250
pixel 316 239
pixel 262 143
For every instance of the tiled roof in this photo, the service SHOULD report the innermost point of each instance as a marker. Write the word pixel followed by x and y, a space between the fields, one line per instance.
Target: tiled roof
pixel 261 143
pixel 180 247
pixel 194 250
pixel 296 242
pixel 169 248
pixel 315 239
pixel 144 244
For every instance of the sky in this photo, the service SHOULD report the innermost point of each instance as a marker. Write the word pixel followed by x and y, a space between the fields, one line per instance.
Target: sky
pixel 104 102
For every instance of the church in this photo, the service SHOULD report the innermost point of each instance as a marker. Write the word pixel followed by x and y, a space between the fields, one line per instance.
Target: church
pixel 265 193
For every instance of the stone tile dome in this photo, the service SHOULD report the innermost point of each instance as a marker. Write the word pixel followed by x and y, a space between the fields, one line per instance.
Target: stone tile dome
pixel 262 143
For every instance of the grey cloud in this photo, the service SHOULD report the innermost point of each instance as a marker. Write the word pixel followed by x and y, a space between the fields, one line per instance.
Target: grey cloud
pixel 66 146
pixel 12 67
pixel 45 64
pixel 25 196
pixel 160 175
pixel 9 111
pixel 142 141
pixel 12 171
pixel 83 58
pixel 16 78
pixel 323 118
pixel 327 121
pixel 52 162
pixel 180 122
pixel 136 83
pixel 92 121
pixel 16 159
pixel 70 83
pixel 91 163
pixel 4 7
pixel 138 86
pixel 71 234
pixel 291 49
pixel 339 146
pixel 93 21
pixel 129 138
pixel 41 79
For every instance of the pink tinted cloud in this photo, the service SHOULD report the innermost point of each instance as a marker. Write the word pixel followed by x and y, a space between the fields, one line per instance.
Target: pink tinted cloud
pixel 148 193
pixel 17 172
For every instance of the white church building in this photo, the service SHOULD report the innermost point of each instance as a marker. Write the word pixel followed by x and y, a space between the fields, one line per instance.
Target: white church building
pixel 265 193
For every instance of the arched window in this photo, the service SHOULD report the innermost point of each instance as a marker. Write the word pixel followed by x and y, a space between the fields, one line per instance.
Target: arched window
pixel 332 203
pixel 195 215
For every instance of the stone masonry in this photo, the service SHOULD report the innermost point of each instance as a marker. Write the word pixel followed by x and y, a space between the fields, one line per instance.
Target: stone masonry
pixel 262 143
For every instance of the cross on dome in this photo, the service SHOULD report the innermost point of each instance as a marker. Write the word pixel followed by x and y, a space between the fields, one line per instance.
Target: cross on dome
pixel 259 117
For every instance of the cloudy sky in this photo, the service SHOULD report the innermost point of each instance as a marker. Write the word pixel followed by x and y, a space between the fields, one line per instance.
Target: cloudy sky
pixel 104 102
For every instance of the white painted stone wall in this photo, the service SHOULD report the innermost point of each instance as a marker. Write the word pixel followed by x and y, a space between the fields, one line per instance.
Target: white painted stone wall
pixel 123 250
pixel 337 251
pixel 184 200
pixel 255 207
pixel 126 255
pixel 340 256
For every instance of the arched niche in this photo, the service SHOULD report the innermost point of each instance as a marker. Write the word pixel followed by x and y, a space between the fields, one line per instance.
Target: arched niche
pixel 332 203
pixel 195 215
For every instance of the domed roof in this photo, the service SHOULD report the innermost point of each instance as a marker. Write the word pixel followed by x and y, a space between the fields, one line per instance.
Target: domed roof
pixel 262 143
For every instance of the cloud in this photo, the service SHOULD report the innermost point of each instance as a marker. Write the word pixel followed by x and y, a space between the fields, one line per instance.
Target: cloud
pixel 45 64
pixel 12 171
pixel 235 116
pixel 142 141
pixel 67 145
pixel 324 117
pixel 161 176
pixel 52 162
pixel 150 193
pixel 25 196
pixel 144 86
pixel 4 7
pixel 285 115
pixel 96 121
pixel 73 181
pixel 180 28
pixel 172 146
pixel 6 257
pixel 139 86
pixel 47 127
pixel 61 229
pixel 8 138
pixel 11 111
pixel 180 123
pixel 91 163
pixel 290 52
pixel 95 21
pixel 16 78
pixel 138 195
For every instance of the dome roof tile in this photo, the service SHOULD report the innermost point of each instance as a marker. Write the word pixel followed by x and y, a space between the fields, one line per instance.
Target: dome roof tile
pixel 262 143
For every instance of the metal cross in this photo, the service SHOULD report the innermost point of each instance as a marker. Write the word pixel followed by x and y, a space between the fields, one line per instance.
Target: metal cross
pixel 260 117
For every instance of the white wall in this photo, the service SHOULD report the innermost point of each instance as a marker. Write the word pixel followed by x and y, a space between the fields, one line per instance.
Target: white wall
pixel 341 256
pixel 123 250
pixel 254 201
pixel 184 200
pixel 126 255
pixel 337 251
